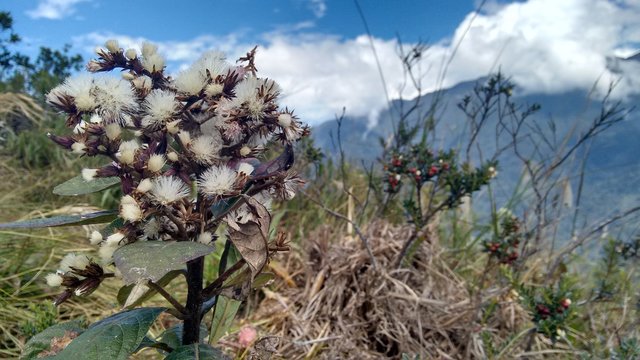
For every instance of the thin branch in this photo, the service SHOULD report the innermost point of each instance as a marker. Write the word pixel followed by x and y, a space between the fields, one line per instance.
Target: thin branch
pixel 581 240
pixel 176 304
pixel 213 288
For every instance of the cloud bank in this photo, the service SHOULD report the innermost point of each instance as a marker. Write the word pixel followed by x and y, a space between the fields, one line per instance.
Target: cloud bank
pixel 546 46
pixel 53 9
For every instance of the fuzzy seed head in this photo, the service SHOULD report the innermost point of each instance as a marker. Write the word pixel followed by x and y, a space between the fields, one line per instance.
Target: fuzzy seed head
pixel 155 163
pixel 213 90
pixel 128 76
pixel 153 63
pixel 115 98
pixel 95 238
pixel 131 54
pixel 130 212
pixel 205 148
pixel 53 280
pixel 89 174
pixel 127 151
pixel 244 151
pixel 217 181
pixel 160 106
pixel 112 45
pixel 142 83
pixel 172 156
pixel 114 239
pixel 73 260
pixel 284 120
pixel 113 131
pixel 144 186
pixel 149 49
pixel 169 189
pixel 78 148
pixel 205 238
pixel 190 82
pixel 95 119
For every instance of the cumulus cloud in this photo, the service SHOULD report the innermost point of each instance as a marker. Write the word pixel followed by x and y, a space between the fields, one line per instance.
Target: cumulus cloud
pixel 546 46
pixel 53 9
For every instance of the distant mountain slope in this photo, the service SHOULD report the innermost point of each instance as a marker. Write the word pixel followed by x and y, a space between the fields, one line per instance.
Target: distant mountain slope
pixel 613 168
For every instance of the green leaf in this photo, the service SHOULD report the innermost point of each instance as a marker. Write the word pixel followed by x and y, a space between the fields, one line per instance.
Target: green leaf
pixel 145 343
pixel 196 351
pixel 151 260
pixel 173 336
pixel 223 315
pixel 123 293
pixel 115 337
pixel 42 341
pixel 65 220
pixel 79 186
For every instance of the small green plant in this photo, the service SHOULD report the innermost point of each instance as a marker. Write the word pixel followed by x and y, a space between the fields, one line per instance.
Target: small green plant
pixel 551 308
pixel 188 154
pixel 429 182
pixel 503 245
pixel 43 316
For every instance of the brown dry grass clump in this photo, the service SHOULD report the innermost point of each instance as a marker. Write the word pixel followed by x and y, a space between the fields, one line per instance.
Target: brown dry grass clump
pixel 338 307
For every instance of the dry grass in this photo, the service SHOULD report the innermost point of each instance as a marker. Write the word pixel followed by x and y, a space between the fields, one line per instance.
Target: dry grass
pixel 339 307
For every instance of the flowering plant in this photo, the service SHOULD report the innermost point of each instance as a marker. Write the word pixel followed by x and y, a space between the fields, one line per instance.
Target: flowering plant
pixel 185 152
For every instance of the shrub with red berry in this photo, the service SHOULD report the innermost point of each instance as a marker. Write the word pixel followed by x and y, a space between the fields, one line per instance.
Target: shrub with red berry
pixel 449 181
pixel 551 308
pixel 505 241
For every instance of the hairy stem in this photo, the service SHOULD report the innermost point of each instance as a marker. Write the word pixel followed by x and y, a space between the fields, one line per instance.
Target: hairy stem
pixel 191 329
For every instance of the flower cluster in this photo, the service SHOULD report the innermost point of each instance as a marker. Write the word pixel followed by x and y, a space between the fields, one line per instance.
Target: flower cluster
pixel 78 274
pixel 504 244
pixel 179 145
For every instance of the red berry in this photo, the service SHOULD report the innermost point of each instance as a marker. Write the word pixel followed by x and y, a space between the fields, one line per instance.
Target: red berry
pixel 433 170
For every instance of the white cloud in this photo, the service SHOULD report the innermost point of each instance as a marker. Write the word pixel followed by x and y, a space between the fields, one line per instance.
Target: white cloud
pixel 544 45
pixel 53 9
pixel 319 8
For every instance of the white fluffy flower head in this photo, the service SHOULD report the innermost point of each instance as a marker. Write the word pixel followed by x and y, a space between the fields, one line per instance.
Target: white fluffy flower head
pixel 217 181
pixel 160 105
pixel 205 148
pixel 169 189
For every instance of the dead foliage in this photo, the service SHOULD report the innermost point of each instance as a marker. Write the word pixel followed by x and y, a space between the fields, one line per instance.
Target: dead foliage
pixel 339 307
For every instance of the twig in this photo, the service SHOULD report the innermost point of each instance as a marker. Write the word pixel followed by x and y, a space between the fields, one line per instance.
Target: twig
pixel 176 304
pixel 363 238
pixel 212 289
pixel 581 240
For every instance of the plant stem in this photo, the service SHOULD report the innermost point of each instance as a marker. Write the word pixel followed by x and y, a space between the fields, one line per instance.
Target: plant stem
pixel 167 296
pixel 191 328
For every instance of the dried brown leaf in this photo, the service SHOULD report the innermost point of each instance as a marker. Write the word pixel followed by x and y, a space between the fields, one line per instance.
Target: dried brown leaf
pixel 252 238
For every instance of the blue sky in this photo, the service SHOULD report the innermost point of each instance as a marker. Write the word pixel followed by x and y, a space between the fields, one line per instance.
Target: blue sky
pixel 318 52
